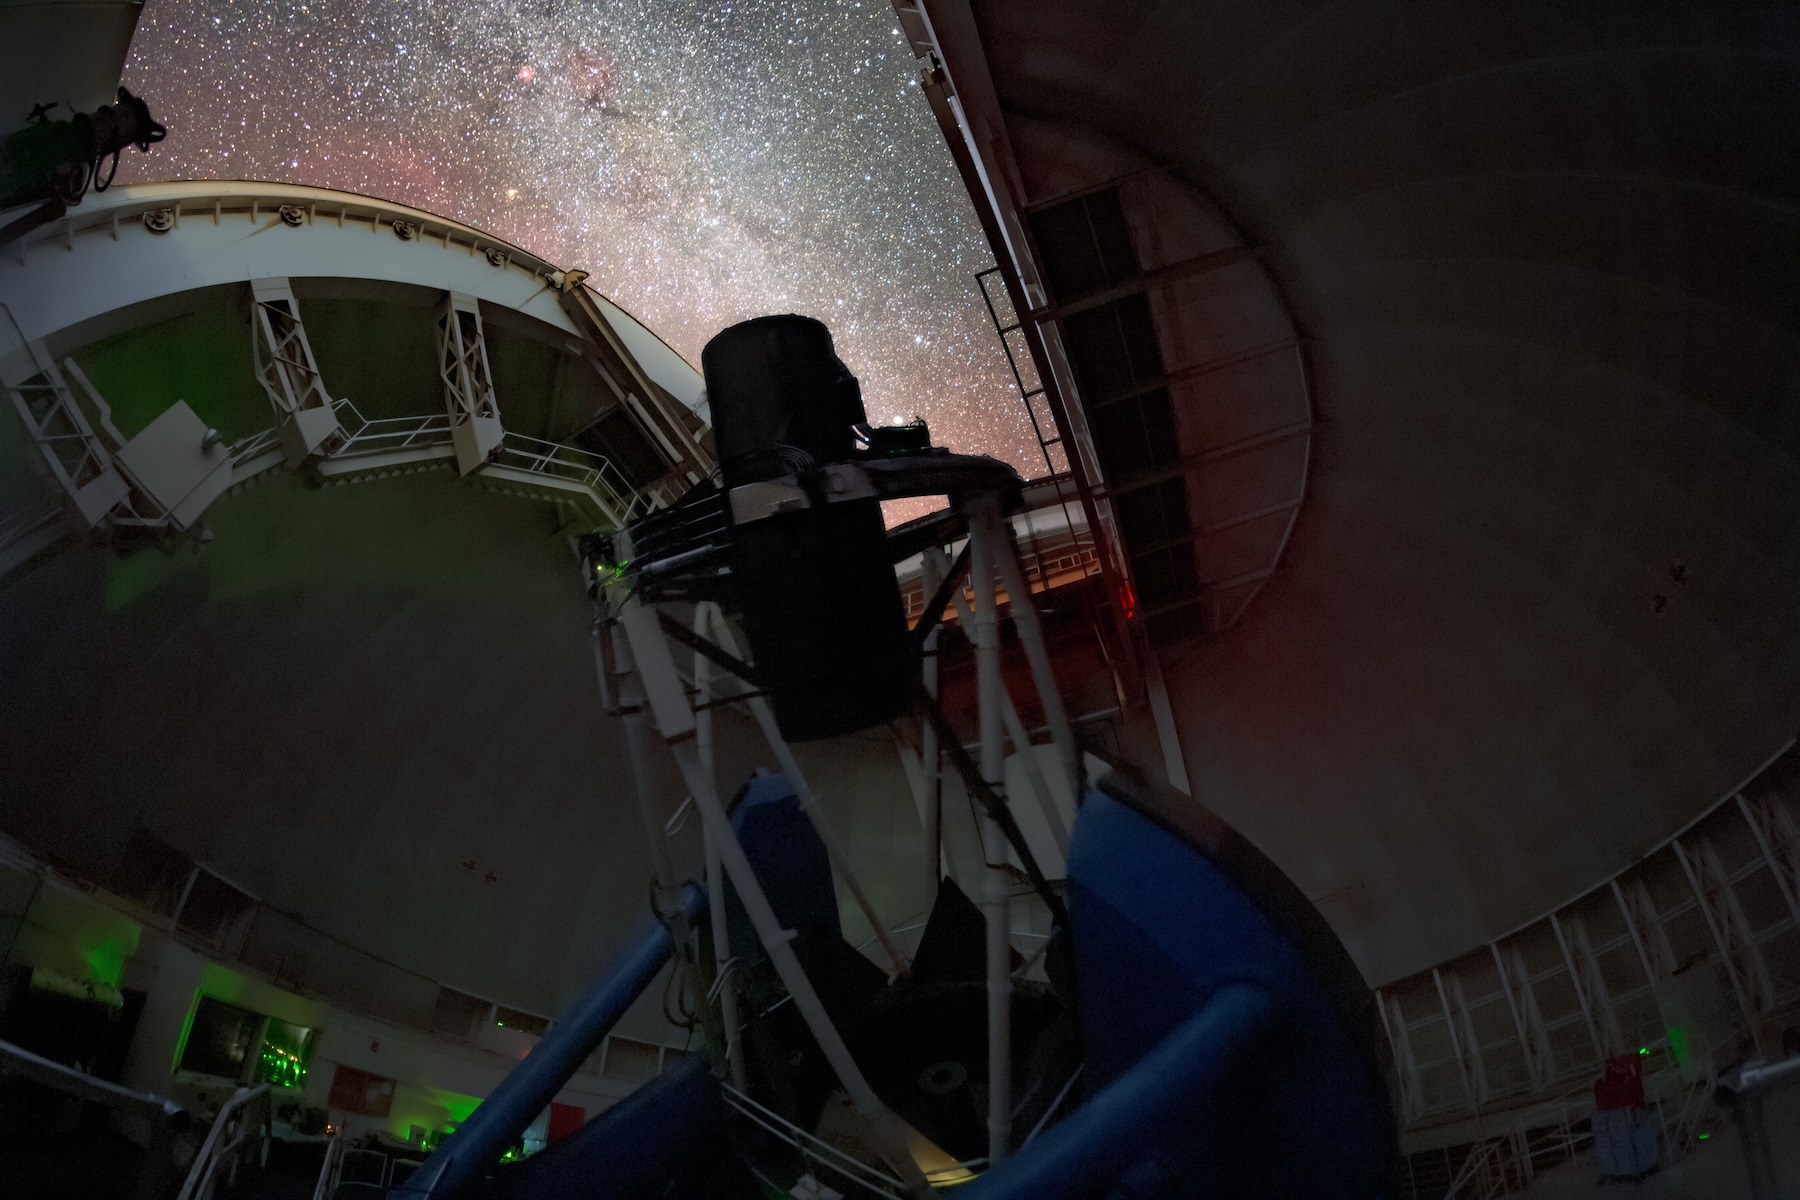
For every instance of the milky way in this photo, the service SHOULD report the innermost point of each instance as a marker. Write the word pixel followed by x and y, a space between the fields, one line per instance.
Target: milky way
pixel 706 162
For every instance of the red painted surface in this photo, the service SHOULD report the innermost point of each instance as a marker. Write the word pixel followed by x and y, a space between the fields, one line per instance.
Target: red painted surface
pixel 565 1119
pixel 361 1092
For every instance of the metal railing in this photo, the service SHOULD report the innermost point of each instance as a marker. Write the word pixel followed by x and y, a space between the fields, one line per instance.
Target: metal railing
pixel 256 445
pixel 1744 1092
pixel 330 1169
pixel 386 434
pixel 239 1120
pixel 1546 1135
pixel 614 493
pixel 167 1119
pixel 817 1152
pixel 22 521
pixel 558 460
pixel 1554 1132
pixel 517 451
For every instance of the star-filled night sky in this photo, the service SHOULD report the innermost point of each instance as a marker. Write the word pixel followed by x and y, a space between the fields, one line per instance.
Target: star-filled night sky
pixel 705 161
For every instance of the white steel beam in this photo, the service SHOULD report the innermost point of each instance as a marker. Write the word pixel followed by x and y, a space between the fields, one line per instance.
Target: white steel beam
pixel 1758 985
pixel 1412 1091
pixel 304 411
pixel 1649 964
pixel 1015 731
pixel 1779 841
pixel 1581 993
pixel 1462 1068
pixel 1526 1048
pixel 1533 1018
pixel 1477 1067
pixel 1706 895
pixel 77 458
pixel 1043 676
pixel 809 803
pixel 1593 983
pixel 723 984
pixel 667 699
pixel 475 428
pixel 931 763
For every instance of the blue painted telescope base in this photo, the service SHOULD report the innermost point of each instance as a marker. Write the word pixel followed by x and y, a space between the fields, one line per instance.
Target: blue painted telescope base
pixel 1220 1058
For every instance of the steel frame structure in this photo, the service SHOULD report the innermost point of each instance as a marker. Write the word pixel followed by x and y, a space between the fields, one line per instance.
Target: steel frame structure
pixel 304 411
pixel 140 243
pixel 639 679
pixel 474 412
pixel 1613 971
pixel 77 459
pixel 311 430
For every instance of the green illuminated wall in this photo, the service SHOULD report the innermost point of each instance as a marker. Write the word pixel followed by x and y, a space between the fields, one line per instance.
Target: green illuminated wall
pixel 381 355
pixel 55 927
pixel 201 356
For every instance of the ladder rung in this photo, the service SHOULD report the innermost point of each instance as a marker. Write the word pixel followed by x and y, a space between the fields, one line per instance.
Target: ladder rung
pixel 1010 328
pixel 1055 441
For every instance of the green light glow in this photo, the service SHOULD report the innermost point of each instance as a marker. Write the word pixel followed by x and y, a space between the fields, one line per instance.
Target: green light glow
pixel 1704 1136
pixel 130 577
pixel 106 959
pixel 221 983
pixel 187 1027
pixel 285 1051
pixel 456 1104
pixel 281 1068
pixel 1643 1049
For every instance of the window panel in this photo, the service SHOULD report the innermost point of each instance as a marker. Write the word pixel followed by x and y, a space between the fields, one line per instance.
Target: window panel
pixel 1065 243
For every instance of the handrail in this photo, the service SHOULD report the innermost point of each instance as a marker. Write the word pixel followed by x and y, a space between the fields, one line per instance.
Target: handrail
pixel 16 1060
pixel 328 1170
pixel 1743 1092
pixel 1553 1110
pixel 594 471
pixel 258 443
pixel 535 456
pixel 518 451
pixel 199 1177
pixel 573 462
pixel 811 1147
pixel 21 521
pixel 1757 1078
pixel 408 430
pixel 166 1117
pixel 1563 1112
